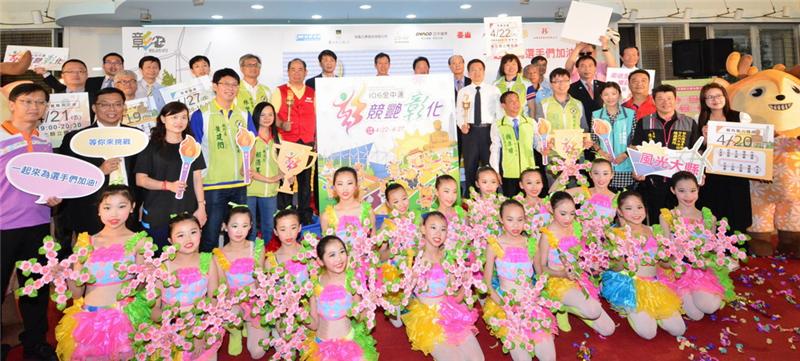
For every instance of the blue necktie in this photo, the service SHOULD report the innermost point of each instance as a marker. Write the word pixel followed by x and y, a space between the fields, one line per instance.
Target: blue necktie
pixel 516 128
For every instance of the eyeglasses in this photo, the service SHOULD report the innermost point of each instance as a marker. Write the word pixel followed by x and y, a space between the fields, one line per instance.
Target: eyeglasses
pixel 29 103
pixel 129 81
pixel 587 53
pixel 562 81
pixel 110 105
pixel 229 85
pixel 74 72
pixel 256 65
pixel 113 62
pixel 714 97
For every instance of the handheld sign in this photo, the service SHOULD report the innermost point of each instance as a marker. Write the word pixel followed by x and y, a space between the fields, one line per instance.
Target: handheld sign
pixel 653 158
pixel 48 58
pixel 245 140
pixel 189 151
pixel 53 175
pixel 110 142
pixel 586 22
pixel 603 128
pixel 542 134
pixel 65 113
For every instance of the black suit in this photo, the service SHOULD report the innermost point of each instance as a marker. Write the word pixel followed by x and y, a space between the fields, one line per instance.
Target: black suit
pixel 92 86
pixel 81 213
pixel 467 81
pixel 459 141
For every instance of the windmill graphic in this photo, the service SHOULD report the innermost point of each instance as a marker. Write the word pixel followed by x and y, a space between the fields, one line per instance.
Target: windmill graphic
pixel 181 60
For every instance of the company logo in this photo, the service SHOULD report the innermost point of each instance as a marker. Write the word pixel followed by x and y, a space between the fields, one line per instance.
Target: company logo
pixel 338 38
pixel 545 32
pixel 350 108
pixel 308 37
pixel 371 36
pixel 431 35
pixel 464 35
pixel 149 42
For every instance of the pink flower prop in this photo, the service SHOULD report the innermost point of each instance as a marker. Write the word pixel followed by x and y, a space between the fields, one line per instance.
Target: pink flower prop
pixel 463 260
pixel 212 315
pixel 631 251
pixel 55 272
pixel 569 168
pixel 151 273
pixel 527 312
pixel 158 341
pixel 695 246
pixel 593 258
pixel 484 213
pixel 367 280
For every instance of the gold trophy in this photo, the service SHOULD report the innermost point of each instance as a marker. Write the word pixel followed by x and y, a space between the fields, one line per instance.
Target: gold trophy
pixel 292 159
pixel 289 103
pixel 466 104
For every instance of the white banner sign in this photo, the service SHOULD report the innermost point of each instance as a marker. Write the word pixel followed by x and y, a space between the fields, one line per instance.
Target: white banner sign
pixel 48 58
pixel 65 112
pixel 586 22
pixel 194 93
pixel 355 46
pixel 620 76
pixel 141 113
pixel 503 36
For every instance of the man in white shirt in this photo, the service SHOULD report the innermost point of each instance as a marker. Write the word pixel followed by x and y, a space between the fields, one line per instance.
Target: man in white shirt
pixel 630 57
pixel 477 107
pixel 382 64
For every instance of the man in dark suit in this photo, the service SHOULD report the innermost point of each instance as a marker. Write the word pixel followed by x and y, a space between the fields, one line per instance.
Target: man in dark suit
pixel 456 64
pixel 81 213
pixel 327 61
pixel 112 63
pixel 587 90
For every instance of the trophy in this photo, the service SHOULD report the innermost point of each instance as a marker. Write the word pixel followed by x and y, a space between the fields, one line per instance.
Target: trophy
pixel 189 151
pixel 292 159
pixel 245 141
pixel 466 104
pixel 289 103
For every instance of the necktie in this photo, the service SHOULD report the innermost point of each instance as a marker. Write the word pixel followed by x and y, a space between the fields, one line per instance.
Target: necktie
pixel 459 84
pixel 516 128
pixel 590 89
pixel 108 83
pixel 477 116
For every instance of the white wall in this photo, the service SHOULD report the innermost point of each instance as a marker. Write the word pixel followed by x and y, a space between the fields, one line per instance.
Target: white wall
pixel 90 44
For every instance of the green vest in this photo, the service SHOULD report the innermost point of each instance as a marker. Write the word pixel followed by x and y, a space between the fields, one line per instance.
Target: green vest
pixel 264 163
pixel 518 87
pixel 517 153
pixel 245 100
pixel 222 155
pixel 567 117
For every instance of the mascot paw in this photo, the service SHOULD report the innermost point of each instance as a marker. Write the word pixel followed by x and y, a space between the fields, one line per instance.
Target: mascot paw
pixel 761 248
pixel 789 244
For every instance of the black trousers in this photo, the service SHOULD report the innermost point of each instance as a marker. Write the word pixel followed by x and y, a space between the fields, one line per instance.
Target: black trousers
pixel 304 195
pixel 476 153
pixel 22 244
pixel 656 194
pixel 510 187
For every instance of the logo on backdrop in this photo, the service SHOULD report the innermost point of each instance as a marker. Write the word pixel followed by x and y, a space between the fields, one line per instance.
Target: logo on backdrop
pixel 464 35
pixel 149 42
pixel 308 37
pixel 431 35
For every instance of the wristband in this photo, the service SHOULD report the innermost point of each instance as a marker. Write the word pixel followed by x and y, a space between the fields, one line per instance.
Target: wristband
pixel 163 185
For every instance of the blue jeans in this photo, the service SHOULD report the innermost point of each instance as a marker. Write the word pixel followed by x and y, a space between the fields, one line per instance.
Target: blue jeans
pixel 217 210
pixel 263 210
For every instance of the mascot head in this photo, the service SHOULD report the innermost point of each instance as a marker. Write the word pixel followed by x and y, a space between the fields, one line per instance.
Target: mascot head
pixel 770 96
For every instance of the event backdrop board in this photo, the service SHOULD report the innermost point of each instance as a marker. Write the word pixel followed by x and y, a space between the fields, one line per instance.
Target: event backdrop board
pixel 390 129
pixel 356 45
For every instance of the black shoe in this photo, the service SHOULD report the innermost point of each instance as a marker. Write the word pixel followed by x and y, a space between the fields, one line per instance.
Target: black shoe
pixel 39 352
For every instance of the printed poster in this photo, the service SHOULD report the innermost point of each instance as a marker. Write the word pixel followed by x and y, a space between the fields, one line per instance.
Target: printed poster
pixel 399 129
pixel 740 149
pixel 48 58
pixel 65 112
pixel 141 113
pixel 503 36
pixel 194 93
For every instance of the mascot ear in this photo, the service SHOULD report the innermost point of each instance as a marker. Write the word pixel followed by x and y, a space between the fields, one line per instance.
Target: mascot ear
pixel 795 71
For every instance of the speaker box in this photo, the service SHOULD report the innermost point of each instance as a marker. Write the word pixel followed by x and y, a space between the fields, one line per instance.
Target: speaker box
pixel 715 54
pixel 687 58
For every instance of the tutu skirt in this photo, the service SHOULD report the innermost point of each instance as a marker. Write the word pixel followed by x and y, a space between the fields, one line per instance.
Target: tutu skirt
pixel 629 294
pixel 694 280
pixel 357 345
pixel 391 274
pixel 87 332
pixel 448 321
pixel 493 312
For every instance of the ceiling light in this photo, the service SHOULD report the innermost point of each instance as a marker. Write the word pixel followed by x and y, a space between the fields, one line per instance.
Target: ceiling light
pixel 465 6
pixel 257 7
pixel 411 16
pixel 365 7
pixel 502 15
pixel 216 17
pixel 316 16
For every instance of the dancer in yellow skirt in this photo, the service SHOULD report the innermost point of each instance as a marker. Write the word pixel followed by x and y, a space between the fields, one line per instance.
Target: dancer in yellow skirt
pixel 97 326
pixel 437 323
pixel 578 296
pixel 511 256
pixel 636 290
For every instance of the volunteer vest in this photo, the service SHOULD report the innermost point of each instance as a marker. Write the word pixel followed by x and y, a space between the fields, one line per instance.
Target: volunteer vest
pixel 567 117
pixel 517 155
pixel 246 101
pixel 680 132
pixel 264 163
pixel 621 131
pixel 518 87
pixel 222 155
pixel 304 117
